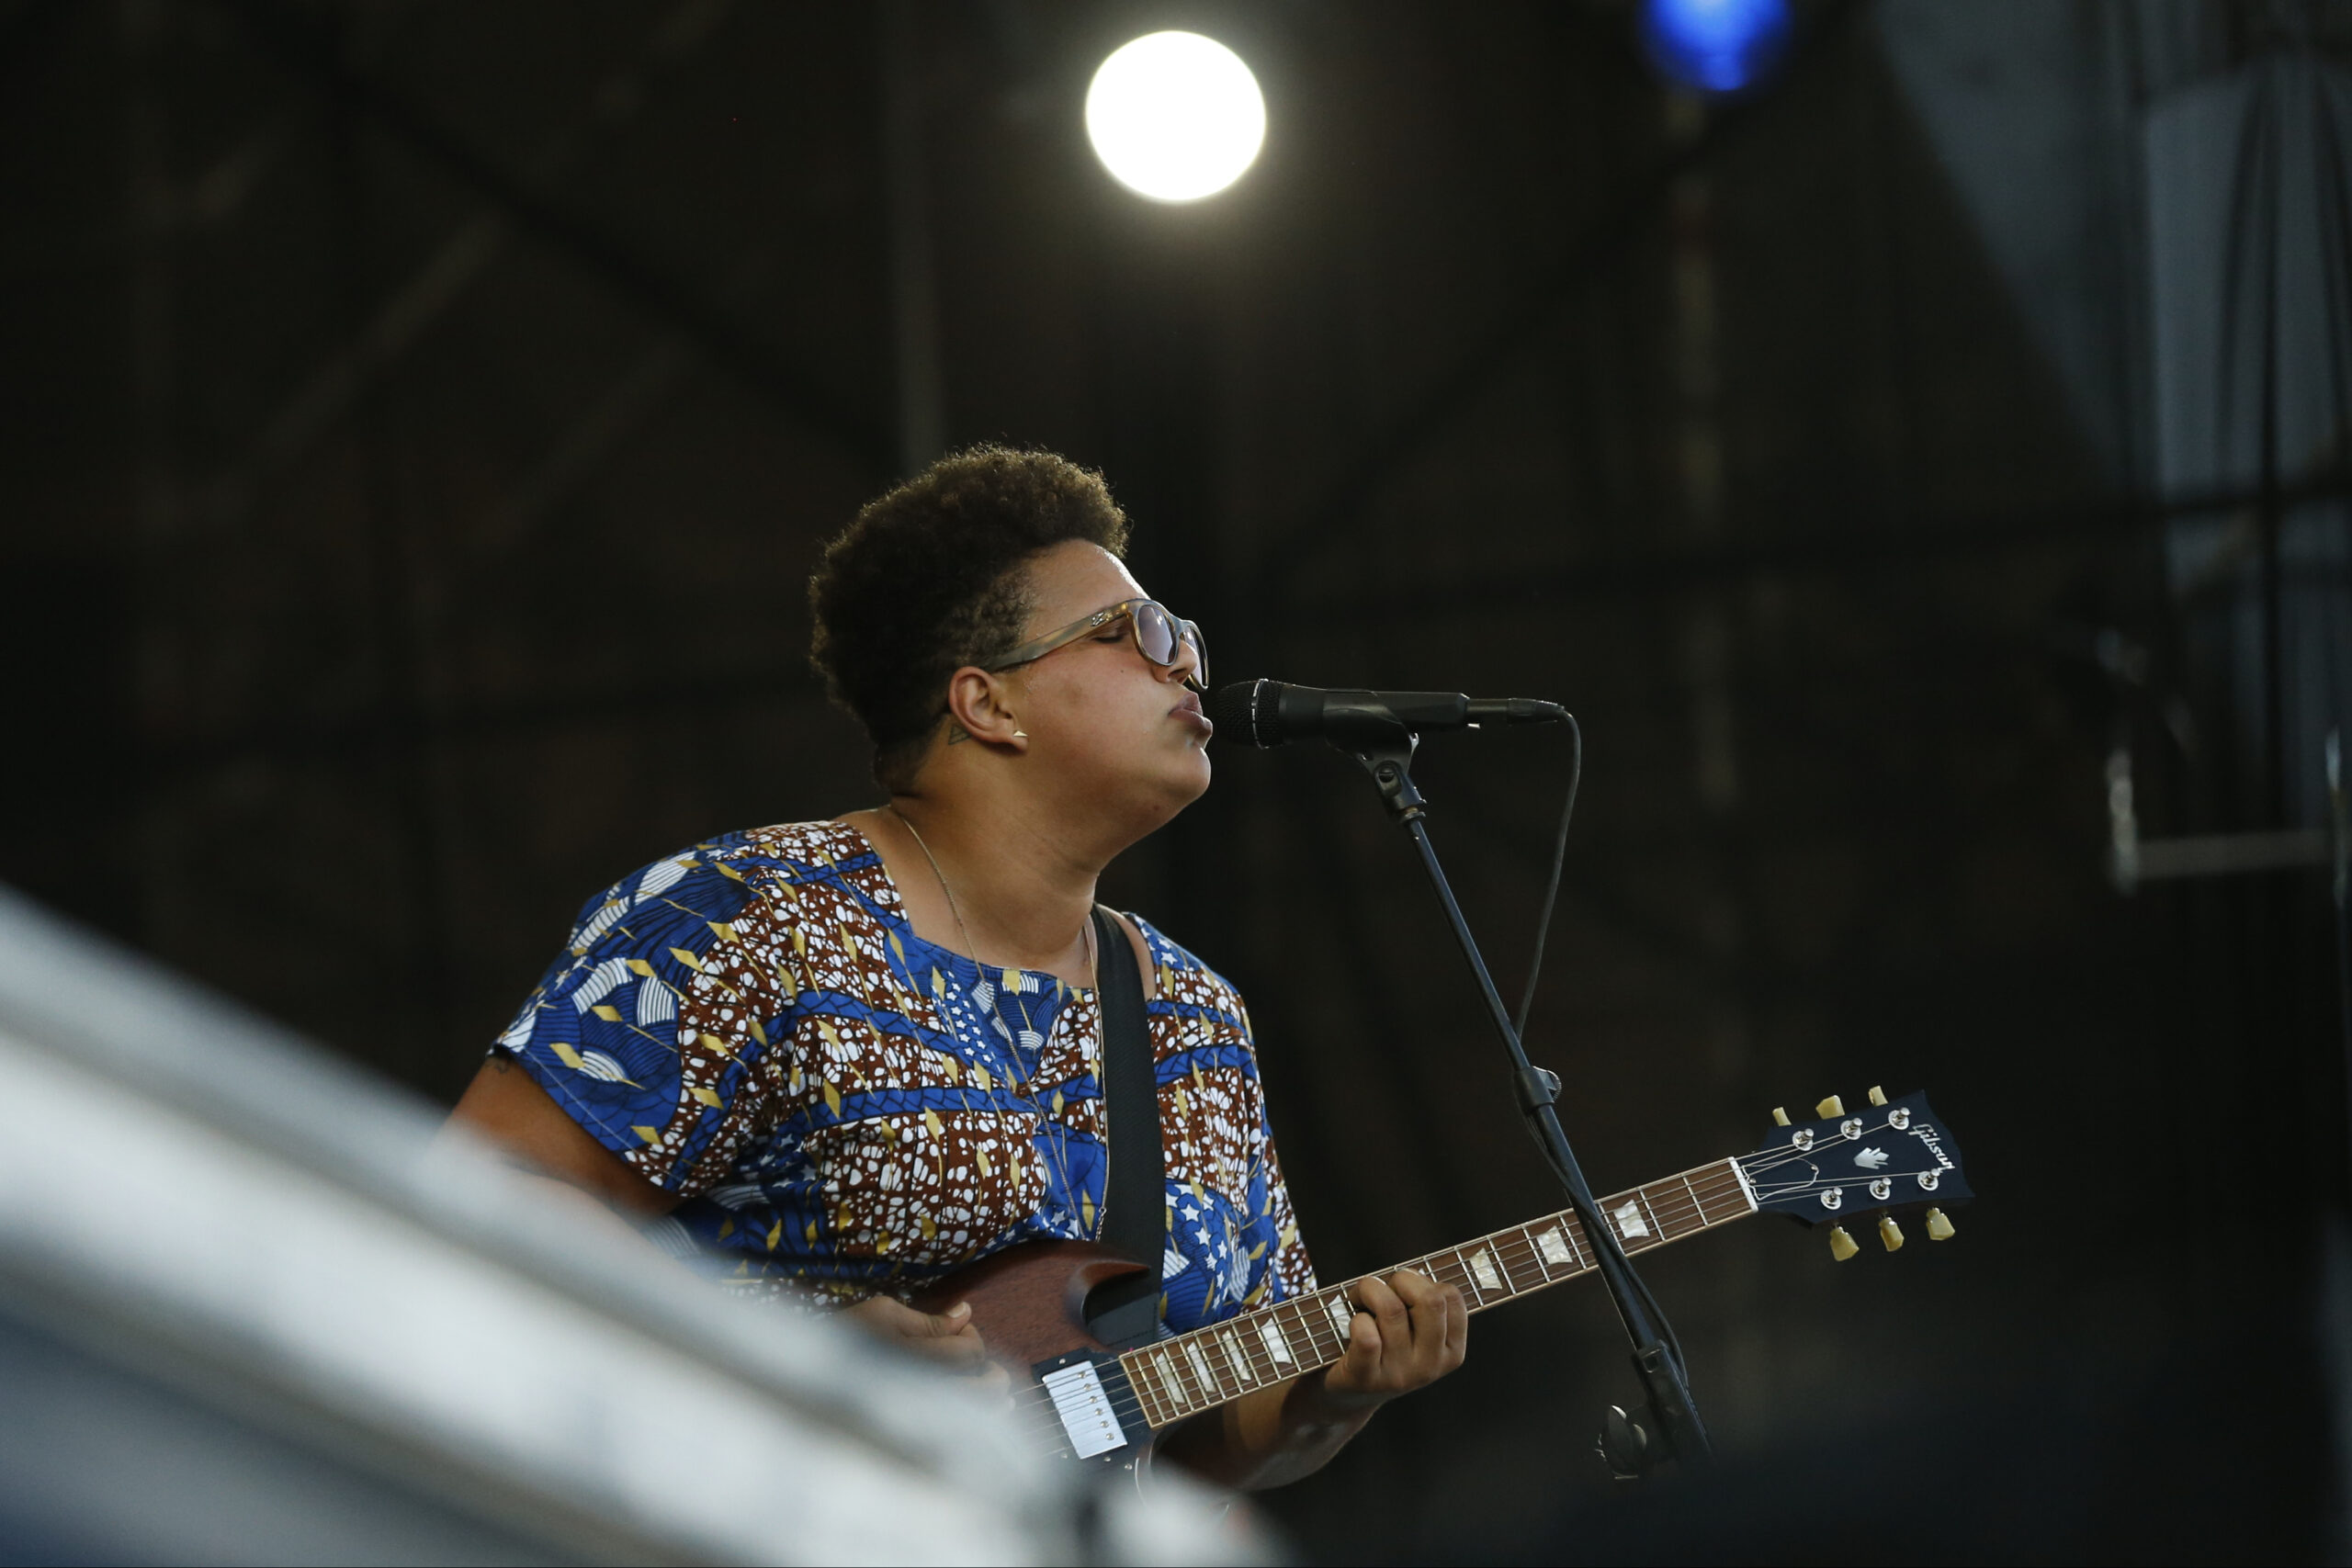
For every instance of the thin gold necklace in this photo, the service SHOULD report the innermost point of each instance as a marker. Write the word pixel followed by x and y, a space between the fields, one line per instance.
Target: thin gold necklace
pixel 1093 966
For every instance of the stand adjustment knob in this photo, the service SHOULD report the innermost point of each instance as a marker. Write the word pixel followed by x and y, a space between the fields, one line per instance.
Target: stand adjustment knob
pixel 1890 1234
pixel 1841 1246
pixel 1833 1106
pixel 1938 1227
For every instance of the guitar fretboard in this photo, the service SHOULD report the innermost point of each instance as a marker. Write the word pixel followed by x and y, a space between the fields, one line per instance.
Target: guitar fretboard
pixel 1192 1372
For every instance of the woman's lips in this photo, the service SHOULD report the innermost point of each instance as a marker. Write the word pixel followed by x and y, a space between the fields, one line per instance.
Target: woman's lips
pixel 1188 711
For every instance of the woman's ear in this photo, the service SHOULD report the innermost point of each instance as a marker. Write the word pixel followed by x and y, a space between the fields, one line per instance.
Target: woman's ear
pixel 981 707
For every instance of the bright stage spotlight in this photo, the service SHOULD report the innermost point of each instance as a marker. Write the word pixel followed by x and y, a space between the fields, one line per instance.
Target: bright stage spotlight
pixel 1718 46
pixel 1175 116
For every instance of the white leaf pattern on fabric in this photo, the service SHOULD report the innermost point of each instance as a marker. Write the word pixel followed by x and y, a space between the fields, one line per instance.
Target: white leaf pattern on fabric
pixel 599 983
pixel 518 1034
pixel 596 1064
pixel 662 875
pixel 1173 1263
pixel 656 1003
pixel 598 924
pixel 738 1195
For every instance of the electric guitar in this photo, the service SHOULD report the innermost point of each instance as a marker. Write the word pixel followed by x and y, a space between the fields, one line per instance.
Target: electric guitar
pixel 1103 1404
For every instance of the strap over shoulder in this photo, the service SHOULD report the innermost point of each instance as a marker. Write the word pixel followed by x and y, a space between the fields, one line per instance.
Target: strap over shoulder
pixel 1134 1222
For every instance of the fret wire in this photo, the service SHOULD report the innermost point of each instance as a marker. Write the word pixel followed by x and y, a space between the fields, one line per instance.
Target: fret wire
pixel 1236 1355
pixel 1503 1261
pixel 1702 1183
pixel 1236 1349
pixel 1498 1248
pixel 1698 1208
pixel 1657 1226
pixel 1168 1387
pixel 1297 1333
pixel 1469 1279
pixel 1146 1396
pixel 1215 1352
pixel 1701 1198
pixel 1163 1377
pixel 1198 1343
pixel 1665 1200
pixel 1182 1365
pixel 1253 1350
pixel 1212 1353
pixel 1161 1401
pixel 1253 1340
pixel 1528 1238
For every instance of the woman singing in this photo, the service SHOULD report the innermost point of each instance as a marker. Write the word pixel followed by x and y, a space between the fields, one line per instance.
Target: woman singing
pixel 835 1062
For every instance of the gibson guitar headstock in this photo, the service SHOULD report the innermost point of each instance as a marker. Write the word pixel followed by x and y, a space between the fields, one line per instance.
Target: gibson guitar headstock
pixel 1892 1155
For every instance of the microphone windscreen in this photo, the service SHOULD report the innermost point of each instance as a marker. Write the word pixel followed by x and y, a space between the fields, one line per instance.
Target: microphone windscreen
pixel 1238 710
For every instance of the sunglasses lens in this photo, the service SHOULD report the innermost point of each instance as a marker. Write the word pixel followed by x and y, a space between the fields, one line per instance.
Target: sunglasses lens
pixel 1154 634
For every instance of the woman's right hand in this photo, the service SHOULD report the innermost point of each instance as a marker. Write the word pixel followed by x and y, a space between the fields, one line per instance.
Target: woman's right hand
pixel 949 1338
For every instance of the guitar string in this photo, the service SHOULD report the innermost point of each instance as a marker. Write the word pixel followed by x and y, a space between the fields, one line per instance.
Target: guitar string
pixel 1255 1366
pixel 1514 1250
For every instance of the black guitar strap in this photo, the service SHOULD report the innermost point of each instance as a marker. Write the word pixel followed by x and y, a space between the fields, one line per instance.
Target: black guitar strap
pixel 1135 1200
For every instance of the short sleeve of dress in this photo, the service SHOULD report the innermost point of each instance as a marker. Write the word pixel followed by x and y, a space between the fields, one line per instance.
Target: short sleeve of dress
pixel 602 1032
pixel 1233 1239
pixel 1288 1271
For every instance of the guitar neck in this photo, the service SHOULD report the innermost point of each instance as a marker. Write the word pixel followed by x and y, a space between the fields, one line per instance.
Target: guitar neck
pixel 1192 1372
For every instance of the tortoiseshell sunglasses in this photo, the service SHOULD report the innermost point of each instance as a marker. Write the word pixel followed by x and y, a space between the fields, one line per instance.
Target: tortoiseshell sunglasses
pixel 1159 635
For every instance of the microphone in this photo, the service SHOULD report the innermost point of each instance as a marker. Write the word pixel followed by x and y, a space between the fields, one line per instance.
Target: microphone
pixel 1270 713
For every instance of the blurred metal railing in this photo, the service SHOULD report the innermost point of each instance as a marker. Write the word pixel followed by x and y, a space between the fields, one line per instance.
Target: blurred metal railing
pixel 244 1318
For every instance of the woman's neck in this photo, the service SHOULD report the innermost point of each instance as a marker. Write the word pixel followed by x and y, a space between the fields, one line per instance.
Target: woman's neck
pixel 1013 884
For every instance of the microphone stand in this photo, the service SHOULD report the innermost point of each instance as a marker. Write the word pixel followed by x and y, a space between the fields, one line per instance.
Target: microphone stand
pixel 1389 759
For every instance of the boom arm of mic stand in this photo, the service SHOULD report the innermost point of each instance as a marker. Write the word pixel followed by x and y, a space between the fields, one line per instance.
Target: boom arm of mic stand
pixel 1684 1437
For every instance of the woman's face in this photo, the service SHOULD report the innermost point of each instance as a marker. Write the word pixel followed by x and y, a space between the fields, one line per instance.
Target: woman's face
pixel 1107 724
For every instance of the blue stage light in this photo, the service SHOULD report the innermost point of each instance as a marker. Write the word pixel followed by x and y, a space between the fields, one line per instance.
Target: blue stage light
pixel 1718 46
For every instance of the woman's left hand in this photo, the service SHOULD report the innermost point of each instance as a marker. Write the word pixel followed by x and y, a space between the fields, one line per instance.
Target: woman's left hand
pixel 1408 1333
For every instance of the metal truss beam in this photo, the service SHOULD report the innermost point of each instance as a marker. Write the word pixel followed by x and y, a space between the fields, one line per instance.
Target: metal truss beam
pixel 1402 436
pixel 1887 542
pixel 715 333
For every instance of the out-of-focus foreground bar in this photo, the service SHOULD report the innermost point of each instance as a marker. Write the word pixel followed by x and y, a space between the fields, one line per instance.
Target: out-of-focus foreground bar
pixel 243 1318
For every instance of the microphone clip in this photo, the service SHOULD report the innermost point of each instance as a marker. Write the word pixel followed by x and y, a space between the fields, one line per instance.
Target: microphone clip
pixel 1390 764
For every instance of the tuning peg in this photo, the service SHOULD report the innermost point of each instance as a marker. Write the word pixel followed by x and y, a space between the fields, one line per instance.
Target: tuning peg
pixel 1938 1227
pixel 1780 1116
pixel 1833 1106
pixel 1877 1095
pixel 1890 1234
pixel 1841 1246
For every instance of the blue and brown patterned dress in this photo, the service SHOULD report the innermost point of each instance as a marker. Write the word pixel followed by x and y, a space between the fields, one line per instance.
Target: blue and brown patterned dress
pixel 848 1110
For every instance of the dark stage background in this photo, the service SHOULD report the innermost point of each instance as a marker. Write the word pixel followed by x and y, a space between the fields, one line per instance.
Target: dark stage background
pixel 1917 472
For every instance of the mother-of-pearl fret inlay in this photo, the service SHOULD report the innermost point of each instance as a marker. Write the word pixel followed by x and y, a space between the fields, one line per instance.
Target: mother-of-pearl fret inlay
pixel 1200 1367
pixel 1482 1264
pixel 1555 1249
pixel 1492 1269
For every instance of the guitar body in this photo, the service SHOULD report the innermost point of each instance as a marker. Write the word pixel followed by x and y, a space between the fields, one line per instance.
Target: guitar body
pixel 1029 1305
